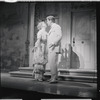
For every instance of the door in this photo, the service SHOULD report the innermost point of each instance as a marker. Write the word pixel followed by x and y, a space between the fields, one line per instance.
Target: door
pixel 83 54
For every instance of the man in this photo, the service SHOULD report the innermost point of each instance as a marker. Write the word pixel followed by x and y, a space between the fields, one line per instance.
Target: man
pixel 54 38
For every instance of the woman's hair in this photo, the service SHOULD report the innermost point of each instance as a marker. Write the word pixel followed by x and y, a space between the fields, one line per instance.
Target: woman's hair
pixel 41 24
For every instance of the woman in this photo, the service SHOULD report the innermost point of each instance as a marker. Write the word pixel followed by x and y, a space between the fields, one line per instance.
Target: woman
pixel 39 58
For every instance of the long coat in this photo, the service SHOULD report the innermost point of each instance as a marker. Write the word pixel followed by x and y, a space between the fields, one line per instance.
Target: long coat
pixel 54 37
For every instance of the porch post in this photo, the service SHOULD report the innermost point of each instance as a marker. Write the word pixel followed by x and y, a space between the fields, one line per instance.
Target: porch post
pixel 31 31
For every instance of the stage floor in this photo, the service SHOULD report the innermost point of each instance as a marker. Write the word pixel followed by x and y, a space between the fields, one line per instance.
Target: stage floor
pixel 62 88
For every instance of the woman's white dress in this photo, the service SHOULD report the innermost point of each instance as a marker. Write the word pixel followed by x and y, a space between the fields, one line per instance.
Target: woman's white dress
pixel 40 54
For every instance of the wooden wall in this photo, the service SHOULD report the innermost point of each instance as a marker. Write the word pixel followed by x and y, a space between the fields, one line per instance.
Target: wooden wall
pixel 13 34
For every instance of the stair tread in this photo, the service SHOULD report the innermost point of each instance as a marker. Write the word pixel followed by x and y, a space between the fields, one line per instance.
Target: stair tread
pixel 79 76
pixel 82 70
pixel 18 72
pixel 30 68
pixel 75 76
pixel 60 69
pixel 28 73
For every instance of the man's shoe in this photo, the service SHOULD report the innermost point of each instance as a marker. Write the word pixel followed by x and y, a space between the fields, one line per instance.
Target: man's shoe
pixel 53 81
pixel 49 80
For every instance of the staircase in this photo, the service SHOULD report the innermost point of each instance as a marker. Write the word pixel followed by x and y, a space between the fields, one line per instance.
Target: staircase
pixel 80 75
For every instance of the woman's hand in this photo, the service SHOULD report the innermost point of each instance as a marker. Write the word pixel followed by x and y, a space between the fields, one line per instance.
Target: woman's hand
pixel 34 48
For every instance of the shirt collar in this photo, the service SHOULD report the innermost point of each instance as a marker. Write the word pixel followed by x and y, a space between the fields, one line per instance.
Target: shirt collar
pixel 52 25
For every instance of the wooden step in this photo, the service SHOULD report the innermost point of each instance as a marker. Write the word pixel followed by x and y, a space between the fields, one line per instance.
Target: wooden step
pixel 74 72
pixel 21 74
pixel 60 76
pixel 78 72
pixel 26 69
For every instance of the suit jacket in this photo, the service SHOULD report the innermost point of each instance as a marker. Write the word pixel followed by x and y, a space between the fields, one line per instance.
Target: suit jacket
pixel 54 36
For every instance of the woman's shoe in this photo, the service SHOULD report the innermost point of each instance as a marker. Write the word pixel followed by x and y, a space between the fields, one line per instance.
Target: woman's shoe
pixel 34 79
pixel 43 78
pixel 49 80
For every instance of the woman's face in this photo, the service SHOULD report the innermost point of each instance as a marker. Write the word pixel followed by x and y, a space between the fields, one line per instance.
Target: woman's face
pixel 41 25
pixel 44 25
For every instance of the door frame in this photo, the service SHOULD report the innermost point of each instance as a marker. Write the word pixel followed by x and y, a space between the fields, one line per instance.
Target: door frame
pixel 71 34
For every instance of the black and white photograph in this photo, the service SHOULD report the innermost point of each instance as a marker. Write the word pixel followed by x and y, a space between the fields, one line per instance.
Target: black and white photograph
pixel 48 50
pixel 65 99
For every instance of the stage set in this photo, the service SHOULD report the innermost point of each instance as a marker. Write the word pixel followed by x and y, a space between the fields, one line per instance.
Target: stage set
pixel 77 61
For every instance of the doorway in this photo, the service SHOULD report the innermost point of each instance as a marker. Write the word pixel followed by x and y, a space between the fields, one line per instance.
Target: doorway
pixel 83 40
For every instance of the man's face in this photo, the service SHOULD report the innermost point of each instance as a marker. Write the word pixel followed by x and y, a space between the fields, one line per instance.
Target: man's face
pixel 48 22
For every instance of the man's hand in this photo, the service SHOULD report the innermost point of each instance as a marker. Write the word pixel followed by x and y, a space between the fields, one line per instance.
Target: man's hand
pixel 51 45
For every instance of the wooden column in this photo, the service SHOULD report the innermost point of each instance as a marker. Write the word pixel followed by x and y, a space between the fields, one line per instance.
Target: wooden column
pixel 31 31
pixel 26 58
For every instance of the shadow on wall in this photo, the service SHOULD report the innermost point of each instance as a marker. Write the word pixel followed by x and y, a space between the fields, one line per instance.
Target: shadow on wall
pixel 69 59
pixel 75 62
